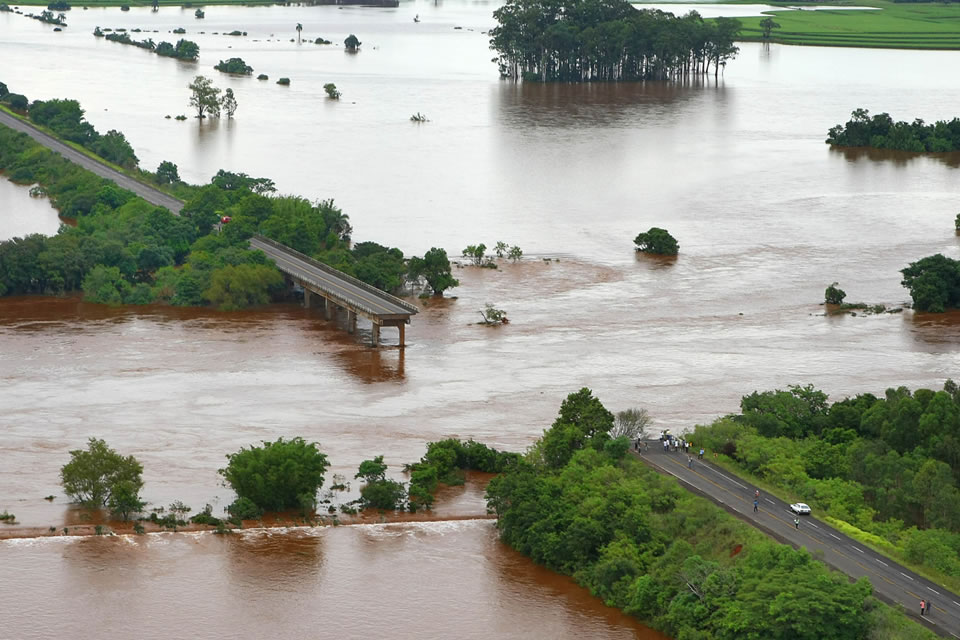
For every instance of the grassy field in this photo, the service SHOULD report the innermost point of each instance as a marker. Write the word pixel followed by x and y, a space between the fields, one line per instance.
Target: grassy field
pixel 892 25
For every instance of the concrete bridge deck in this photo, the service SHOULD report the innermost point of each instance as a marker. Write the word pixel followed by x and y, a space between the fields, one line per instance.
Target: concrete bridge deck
pixel 338 290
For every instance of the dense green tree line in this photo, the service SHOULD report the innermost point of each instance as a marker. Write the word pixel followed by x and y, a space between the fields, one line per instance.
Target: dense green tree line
pixel 580 506
pixel 606 40
pixel 881 132
pixel 65 118
pixel 934 283
pixel 445 463
pixel 183 50
pixel 888 465
pixel 125 251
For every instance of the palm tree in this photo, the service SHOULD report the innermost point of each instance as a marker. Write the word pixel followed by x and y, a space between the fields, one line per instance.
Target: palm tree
pixel 299 29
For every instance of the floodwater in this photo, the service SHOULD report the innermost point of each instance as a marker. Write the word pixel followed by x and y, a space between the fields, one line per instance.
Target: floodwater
pixel 765 213
pixel 370 581
pixel 21 214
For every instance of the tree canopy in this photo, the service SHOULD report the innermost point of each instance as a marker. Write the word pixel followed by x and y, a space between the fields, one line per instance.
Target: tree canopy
pixel 277 475
pixel 888 465
pixel 644 545
pixel 657 241
pixel 93 475
pixel 881 132
pixel 607 40
pixel 934 283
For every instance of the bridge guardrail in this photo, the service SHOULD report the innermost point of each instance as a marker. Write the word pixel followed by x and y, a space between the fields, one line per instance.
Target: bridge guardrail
pixel 339 274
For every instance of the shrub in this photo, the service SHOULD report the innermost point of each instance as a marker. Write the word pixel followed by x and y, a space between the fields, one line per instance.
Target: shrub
pixel 263 76
pixel 332 92
pixel 276 475
pixel 244 509
pixel 234 65
pixel 284 81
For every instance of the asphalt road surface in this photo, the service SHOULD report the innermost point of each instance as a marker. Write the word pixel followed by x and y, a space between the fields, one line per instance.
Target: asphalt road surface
pixel 891 581
pixel 373 302
pixel 151 195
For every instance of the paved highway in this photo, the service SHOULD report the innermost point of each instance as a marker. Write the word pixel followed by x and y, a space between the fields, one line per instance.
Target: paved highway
pixel 326 280
pixel 357 295
pixel 891 581
pixel 151 195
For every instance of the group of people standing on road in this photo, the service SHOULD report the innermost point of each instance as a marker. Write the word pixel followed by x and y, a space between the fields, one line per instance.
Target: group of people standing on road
pixel 924 607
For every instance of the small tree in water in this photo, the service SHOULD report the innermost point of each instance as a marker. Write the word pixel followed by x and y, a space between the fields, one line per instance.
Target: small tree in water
pixel 204 97
pixel 352 43
pixel 332 92
pixel 93 475
pixel 229 103
pixel 657 241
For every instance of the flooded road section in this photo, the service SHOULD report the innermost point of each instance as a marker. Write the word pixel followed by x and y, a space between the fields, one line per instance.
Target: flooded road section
pixel 431 580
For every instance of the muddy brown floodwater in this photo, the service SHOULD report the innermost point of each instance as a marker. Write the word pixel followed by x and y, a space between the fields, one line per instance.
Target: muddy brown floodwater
pixel 766 215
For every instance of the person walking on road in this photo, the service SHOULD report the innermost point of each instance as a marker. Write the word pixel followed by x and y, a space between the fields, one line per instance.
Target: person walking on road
pixel 755 506
pixel 796 522
pixel 923 607
pixel 700 457
pixel 927 607
pixel 689 462
pixel 756 495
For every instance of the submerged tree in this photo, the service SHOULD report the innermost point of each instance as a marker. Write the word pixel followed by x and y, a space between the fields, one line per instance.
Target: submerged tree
pixel 93 475
pixel 434 267
pixel 229 103
pixel 352 43
pixel 204 97
pixel 606 40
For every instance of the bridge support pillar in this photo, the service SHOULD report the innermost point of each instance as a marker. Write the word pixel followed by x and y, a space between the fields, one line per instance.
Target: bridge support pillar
pixel 351 321
pixel 329 309
pixel 402 327
pixel 306 298
pixel 375 334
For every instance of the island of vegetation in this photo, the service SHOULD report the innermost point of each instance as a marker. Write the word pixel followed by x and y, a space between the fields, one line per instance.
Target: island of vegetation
pixel 124 250
pixel 881 132
pixel 606 40
pixel 886 470
pixel 657 241
pixel 580 505
pixel 886 24
pixel 235 66
pixel 183 50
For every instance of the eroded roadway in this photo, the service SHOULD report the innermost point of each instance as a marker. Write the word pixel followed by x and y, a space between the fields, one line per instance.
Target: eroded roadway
pixel 891 582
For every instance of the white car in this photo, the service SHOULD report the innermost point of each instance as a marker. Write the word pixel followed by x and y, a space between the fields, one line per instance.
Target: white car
pixel 800 509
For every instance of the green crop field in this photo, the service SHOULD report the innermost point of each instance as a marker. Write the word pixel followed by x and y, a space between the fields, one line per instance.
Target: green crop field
pixel 890 25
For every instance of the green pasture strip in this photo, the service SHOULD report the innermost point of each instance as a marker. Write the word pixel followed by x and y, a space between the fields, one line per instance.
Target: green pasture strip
pixel 890 25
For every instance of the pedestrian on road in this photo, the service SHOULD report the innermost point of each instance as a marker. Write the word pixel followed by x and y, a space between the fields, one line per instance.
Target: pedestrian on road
pixel 755 506
pixel 796 522
pixel 927 607
pixel 700 457
pixel 666 445
pixel 756 494
pixel 923 607
pixel 689 462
